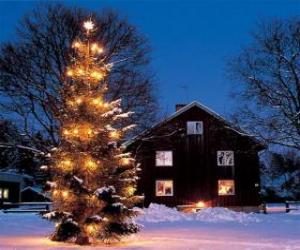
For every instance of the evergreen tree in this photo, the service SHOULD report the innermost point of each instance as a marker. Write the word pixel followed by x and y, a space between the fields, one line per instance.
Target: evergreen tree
pixel 94 180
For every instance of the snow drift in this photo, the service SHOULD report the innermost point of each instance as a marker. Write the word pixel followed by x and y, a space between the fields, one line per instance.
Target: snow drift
pixel 160 213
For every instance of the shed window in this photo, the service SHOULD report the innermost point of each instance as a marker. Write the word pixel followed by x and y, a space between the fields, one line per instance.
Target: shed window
pixel 164 188
pixel 225 158
pixel 4 193
pixel 164 158
pixel 195 128
pixel 226 187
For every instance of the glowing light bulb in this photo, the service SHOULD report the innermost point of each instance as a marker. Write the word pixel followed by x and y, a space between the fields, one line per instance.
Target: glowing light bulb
pixel 114 135
pixel 97 101
pixel 75 131
pixel 90 229
pixel 80 71
pixel 88 25
pixel 94 47
pixel 91 164
pixel 79 100
pixel 70 103
pixel 97 75
pixel 66 132
pixel 200 204
pixel 67 162
pixel 65 194
pixel 100 50
pixel 125 161
pixel 66 165
pixel 76 45
pixel 55 192
pixel 130 190
pixel 90 132
pixel 70 73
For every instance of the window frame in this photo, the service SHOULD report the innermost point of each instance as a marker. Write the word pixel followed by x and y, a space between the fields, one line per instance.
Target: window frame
pixel 164 180
pixel 187 127
pixel 159 165
pixel 226 165
pixel 234 189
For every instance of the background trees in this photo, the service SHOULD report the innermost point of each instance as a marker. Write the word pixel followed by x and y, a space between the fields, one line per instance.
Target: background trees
pixel 267 73
pixel 17 154
pixel 280 176
pixel 31 67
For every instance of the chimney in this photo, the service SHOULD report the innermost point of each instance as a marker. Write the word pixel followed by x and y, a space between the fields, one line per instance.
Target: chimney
pixel 179 106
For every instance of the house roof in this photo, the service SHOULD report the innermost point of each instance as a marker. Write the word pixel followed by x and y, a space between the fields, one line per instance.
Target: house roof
pixel 191 105
pixel 11 175
pixel 186 108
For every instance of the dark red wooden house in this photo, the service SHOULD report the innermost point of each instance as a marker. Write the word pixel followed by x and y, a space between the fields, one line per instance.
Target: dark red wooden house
pixel 195 157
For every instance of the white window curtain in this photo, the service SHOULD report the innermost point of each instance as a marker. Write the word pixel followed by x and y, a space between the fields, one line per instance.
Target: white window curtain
pixel 164 158
pixel 195 128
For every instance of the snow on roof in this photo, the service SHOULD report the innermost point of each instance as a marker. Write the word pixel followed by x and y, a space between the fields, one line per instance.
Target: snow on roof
pixel 34 189
pixel 184 109
pixel 38 190
pixel 14 173
pixel 191 105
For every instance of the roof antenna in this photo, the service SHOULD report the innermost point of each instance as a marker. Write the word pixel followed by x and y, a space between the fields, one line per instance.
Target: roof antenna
pixel 185 90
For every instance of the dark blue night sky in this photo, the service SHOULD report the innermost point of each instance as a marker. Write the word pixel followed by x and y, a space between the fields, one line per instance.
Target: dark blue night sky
pixel 191 40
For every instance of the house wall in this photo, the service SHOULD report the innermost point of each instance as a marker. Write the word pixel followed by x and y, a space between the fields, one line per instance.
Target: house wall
pixel 195 173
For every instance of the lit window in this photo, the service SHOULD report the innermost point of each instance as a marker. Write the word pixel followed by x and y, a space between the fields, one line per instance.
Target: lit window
pixel 226 187
pixel 195 128
pixel 4 193
pixel 164 158
pixel 164 188
pixel 225 158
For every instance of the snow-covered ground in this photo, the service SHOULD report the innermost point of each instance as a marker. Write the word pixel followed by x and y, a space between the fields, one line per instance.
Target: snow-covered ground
pixel 165 228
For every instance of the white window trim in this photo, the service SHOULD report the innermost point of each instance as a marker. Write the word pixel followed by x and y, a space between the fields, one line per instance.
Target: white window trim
pixel 234 191
pixel 187 126
pixel 171 165
pixel 226 164
pixel 156 187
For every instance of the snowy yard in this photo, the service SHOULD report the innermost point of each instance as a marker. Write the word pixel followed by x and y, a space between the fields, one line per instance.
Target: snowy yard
pixel 165 228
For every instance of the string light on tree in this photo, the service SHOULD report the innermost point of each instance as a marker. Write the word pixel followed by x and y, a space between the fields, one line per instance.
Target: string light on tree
pixel 93 196
pixel 125 161
pixel 114 135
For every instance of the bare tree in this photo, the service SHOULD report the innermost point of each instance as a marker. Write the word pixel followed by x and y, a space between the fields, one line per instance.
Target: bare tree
pixel 267 73
pixel 32 67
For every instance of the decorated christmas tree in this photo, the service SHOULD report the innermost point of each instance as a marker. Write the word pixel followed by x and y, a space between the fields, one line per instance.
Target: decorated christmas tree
pixel 94 180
